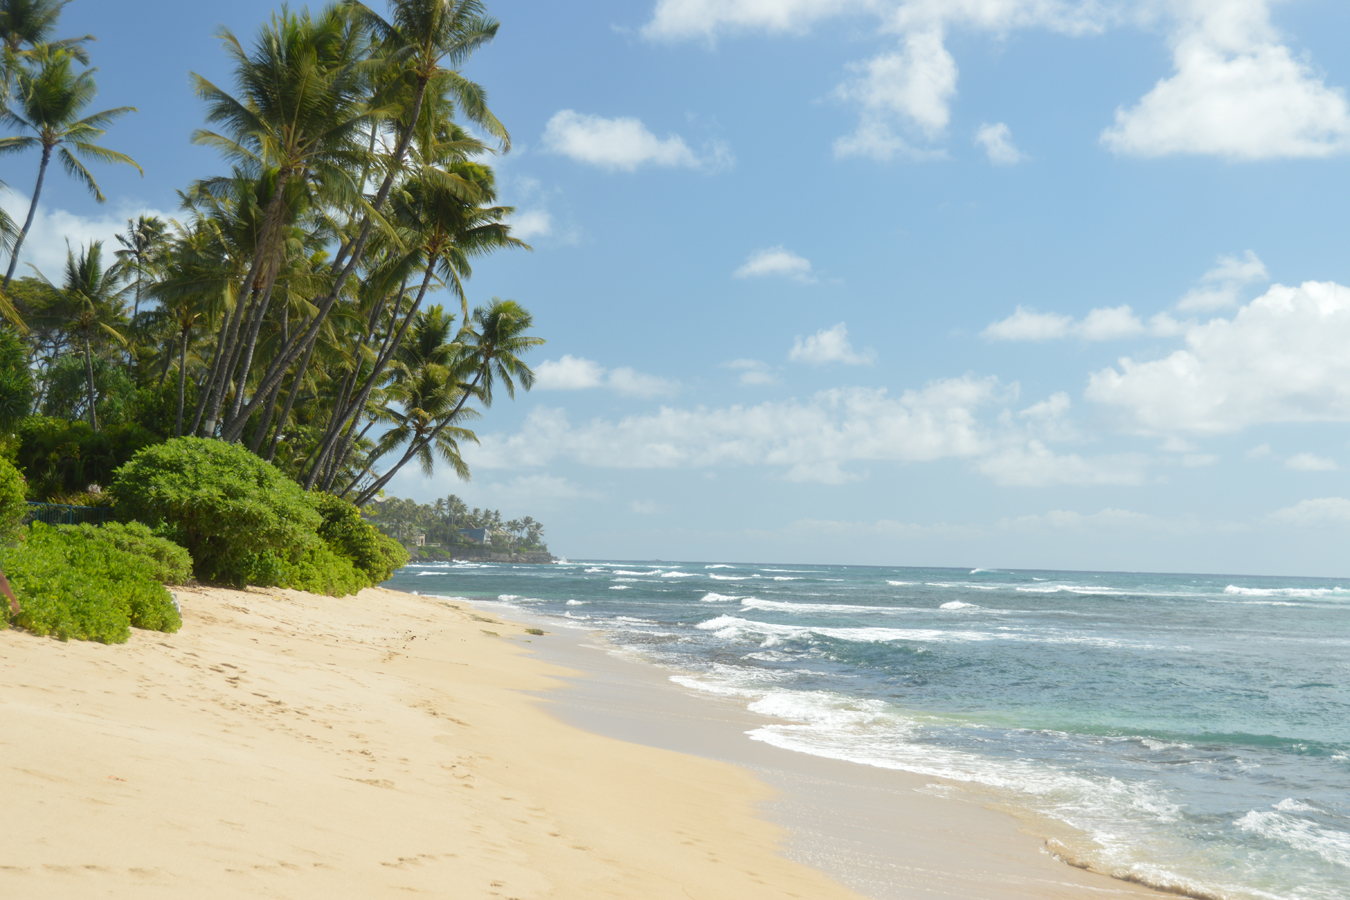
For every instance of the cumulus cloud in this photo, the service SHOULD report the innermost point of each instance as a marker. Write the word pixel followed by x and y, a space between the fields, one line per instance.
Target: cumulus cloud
pixel 808 440
pixel 1235 89
pixel 1281 358
pixel 1235 92
pixel 830 345
pixel 573 373
pixel 913 86
pixel 531 224
pixel 998 146
pixel 624 143
pixel 45 245
pixel 754 372
pixel 776 261
pixel 1320 512
pixel 1068 520
pixel 1103 324
pixel 1220 287
pixel 1308 462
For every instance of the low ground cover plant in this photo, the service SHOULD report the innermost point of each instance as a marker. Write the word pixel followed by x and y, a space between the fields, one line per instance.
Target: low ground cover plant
pixel 70 586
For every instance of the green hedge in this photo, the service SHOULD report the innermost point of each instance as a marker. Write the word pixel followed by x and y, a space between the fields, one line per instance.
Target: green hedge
pixel 13 506
pixel 71 586
pixel 373 553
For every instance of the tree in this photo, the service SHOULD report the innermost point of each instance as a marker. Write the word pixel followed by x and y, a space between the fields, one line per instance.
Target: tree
pixel 142 244
pixel 94 307
pixel 51 96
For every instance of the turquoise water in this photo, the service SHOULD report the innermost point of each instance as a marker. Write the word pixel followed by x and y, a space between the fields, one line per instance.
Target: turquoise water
pixel 1193 730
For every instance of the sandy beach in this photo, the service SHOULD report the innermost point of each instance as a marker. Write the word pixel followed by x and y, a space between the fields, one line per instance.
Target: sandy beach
pixel 288 745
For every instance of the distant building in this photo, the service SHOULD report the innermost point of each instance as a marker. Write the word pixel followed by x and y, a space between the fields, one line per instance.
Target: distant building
pixel 476 535
pixel 420 539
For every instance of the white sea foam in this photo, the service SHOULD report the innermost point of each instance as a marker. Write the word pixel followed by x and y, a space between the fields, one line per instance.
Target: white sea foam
pixel 900 583
pixel 963 584
pixel 650 574
pixel 619 587
pixel 593 569
pixel 785 578
pixel 624 579
pixel 577 602
pixel 785 606
pixel 714 597
pixel 1284 592
pixel 716 577
pixel 1332 846
pixel 1289 804
pixel 957 604
pixel 679 574
pixel 719 566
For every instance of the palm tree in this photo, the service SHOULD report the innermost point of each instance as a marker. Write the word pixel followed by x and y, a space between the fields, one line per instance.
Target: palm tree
pixel 94 307
pixel 490 348
pixel 141 244
pixel 51 96
pixel 297 115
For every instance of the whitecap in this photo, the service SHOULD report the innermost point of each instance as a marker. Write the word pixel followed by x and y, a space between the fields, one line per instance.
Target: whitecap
pixel 719 566
pixel 679 574
pixel 900 583
pixel 957 604
pixel 577 602
pixel 714 597
pixel 619 587
pixel 1283 592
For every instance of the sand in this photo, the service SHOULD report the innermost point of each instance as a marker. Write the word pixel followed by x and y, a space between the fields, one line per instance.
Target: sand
pixel 293 746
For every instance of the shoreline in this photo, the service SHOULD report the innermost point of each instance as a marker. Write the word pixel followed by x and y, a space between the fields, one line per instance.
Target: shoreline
pixel 291 745
pixel 887 833
pixel 294 746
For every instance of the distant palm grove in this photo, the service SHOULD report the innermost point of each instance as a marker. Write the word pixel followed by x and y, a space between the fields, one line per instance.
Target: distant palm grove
pixel 285 309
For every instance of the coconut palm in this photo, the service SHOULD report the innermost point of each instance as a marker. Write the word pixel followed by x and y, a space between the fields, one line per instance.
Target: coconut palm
pixel 298 111
pixel 93 307
pixel 489 349
pixel 141 244
pixel 51 97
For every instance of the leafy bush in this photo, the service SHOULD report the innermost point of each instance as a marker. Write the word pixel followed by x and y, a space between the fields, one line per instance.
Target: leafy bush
pixel 167 562
pixel 67 394
pixel 236 514
pixel 374 554
pixel 13 507
pixel 73 587
pixel 16 380
pixel 62 458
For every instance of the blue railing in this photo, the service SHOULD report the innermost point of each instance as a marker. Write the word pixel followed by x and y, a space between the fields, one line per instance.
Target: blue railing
pixel 60 514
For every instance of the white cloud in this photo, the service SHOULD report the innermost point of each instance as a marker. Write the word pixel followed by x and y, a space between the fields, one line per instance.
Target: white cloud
pixel 1308 462
pixel 1028 325
pixel 1320 512
pixel 45 244
pixel 913 86
pixel 1236 92
pixel 573 373
pixel 997 143
pixel 1261 451
pixel 1281 358
pixel 1220 286
pixel 675 19
pixel 809 441
pixel 1033 464
pixel 830 345
pixel 643 507
pixel 531 224
pixel 1103 324
pixel 776 261
pixel 624 143
pixel 754 372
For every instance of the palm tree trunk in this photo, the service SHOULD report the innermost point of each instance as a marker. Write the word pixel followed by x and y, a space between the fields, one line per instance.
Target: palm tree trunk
pixel 28 222
pixel 182 384
pixel 89 374
pixel 290 402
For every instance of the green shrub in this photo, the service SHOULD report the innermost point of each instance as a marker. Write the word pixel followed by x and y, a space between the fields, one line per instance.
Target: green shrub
pixel 375 555
pixel 13 506
pixel 61 458
pixel 71 586
pixel 230 509
pixel 16 379
pixel 167 562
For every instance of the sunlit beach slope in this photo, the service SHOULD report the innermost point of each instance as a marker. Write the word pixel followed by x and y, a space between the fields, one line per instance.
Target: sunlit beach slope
pixel 289 745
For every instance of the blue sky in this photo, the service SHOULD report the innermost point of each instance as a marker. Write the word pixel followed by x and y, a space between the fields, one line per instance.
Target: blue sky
pixel 917 282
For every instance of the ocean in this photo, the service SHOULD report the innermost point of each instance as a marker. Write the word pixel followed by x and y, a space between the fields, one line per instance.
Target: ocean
pixel 1191 732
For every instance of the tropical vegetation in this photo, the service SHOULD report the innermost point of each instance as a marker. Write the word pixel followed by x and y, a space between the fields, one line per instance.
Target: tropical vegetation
pixel 244 377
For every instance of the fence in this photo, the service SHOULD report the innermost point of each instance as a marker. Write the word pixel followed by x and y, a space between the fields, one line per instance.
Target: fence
pixel 59 514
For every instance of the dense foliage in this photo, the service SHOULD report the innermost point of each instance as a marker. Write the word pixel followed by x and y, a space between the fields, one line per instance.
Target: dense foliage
pixel 289 308
pixel 72 587
pixel 232 511
pixel 13 507
pixel 164 560
pixel 375 555
pixel 445 523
